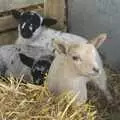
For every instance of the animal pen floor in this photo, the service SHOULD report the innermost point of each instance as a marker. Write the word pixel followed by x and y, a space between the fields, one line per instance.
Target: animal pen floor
pixel 30 102
pixel 20 101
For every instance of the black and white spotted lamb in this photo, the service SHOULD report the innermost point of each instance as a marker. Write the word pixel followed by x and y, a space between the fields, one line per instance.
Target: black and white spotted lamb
pixel 32 62
pixel 33 29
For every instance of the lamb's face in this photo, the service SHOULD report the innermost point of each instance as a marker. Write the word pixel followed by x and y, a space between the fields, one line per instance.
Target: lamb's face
pixel 39 68
pixel 83 59
pixel 39 71
pixel 30 23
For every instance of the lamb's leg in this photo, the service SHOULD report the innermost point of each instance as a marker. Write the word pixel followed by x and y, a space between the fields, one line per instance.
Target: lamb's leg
pixel 101 83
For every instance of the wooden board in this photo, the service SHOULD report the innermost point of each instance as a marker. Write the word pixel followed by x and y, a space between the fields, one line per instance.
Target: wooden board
pixel 56 9
pixel 7 22
pixel 6 5
pixel 8 37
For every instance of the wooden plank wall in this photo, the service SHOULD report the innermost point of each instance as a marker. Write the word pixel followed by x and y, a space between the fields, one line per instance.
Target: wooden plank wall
pixel 56 9
pixel 6 5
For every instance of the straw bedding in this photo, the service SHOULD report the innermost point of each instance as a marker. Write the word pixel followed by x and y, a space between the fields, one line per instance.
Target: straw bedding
pixel 19 101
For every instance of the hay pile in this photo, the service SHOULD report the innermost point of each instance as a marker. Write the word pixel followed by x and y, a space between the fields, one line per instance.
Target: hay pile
pixel 30 102
pixel 20 101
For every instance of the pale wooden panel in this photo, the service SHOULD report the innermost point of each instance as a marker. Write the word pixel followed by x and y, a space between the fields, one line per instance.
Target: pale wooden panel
pixel 56 9
pixel 8 37
pixel 7 22
pixel 6 5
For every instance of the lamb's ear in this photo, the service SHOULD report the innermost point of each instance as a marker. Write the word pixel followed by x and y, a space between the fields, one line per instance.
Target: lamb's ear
pixel 28 61
pixel 16 14
pixel 60 46
pixel 98 41
pixel 49 21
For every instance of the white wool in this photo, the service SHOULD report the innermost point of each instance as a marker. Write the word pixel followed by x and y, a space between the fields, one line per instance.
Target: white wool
pixel 43 37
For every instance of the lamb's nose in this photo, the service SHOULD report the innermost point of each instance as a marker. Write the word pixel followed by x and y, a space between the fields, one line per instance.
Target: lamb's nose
pixel 96 70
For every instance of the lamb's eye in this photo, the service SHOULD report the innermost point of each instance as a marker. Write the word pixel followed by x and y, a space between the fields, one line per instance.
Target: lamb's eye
pixel 76 58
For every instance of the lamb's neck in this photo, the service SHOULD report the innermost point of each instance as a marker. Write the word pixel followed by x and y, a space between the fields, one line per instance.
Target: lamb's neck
pixel 49 32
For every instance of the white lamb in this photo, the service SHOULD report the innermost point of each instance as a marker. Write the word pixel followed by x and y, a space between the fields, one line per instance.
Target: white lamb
pixel 74 65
